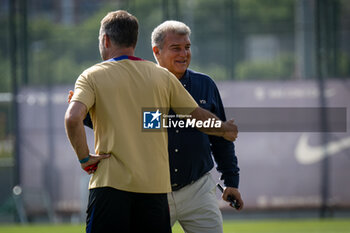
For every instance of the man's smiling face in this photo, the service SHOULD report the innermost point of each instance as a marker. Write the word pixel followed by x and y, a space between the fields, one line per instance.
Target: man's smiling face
pixel 175 54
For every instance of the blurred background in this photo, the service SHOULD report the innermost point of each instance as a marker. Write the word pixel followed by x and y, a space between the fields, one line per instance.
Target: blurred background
pixel 261 53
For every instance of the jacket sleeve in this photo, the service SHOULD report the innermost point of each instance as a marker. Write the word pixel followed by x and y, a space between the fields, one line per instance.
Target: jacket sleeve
pixel 224 151
pixel 87 121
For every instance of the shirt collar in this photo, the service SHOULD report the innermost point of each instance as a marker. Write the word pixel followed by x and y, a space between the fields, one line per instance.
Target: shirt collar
pixel 124 57
pixel 184 79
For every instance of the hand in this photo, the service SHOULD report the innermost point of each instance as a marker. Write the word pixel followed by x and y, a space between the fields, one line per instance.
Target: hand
pixel 230 130
pixel 70 95
pixel 91 165
pixel 235 195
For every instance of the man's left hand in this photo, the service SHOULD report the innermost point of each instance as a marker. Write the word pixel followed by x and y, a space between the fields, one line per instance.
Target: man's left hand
pixel 91 165
pixel 235 195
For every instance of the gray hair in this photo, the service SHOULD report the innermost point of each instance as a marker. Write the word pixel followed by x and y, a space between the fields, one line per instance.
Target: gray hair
pixel 161 30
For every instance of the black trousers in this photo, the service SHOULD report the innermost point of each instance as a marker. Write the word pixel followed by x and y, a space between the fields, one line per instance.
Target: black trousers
pixel 111 210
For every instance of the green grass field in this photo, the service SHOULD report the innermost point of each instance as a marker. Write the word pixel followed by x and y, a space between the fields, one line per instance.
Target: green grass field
pixel 248 226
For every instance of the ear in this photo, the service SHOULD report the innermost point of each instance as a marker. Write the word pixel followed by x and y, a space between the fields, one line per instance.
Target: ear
pixel 106 41
pixel 156 50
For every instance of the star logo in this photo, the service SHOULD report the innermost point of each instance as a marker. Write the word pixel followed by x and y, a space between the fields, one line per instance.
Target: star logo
pixel 151 120
pixel 155 115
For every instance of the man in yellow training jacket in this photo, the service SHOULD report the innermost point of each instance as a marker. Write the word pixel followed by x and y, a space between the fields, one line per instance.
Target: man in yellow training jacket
pixel 128 190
